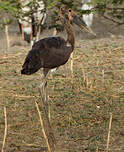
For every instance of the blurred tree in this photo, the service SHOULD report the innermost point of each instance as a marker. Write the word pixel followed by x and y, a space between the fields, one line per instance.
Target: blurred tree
pixel 111 9
pixel 7 9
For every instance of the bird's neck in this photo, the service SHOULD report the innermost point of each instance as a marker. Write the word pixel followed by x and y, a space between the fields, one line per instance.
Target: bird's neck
pixel 70 33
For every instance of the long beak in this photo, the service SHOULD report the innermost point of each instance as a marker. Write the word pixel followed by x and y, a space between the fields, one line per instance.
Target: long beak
pixel 78 21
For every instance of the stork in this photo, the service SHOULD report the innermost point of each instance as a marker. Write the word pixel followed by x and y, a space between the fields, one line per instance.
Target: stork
pixel 88 18
pixel 31 19
pixel 53 52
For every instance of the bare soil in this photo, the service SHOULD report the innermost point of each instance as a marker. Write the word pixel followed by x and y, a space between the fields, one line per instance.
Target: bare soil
pixel 80 107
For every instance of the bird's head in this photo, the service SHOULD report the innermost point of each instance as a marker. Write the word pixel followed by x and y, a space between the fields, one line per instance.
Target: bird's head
pixel 69 14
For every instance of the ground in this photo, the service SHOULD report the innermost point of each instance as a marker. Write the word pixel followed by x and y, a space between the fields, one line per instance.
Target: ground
pixel 80 106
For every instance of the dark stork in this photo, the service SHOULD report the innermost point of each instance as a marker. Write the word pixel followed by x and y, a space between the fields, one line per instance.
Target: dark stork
pixel 52 52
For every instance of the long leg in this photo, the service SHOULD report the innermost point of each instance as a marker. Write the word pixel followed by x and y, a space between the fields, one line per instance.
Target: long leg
pixel 44 90
pixel 45 72
pixel 43 87
pixel 48 133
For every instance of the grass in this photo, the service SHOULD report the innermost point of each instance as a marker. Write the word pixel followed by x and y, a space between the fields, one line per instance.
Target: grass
pixel 80 110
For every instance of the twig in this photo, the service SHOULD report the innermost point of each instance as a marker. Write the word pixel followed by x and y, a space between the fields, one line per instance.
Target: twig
pixel 47 133
pixel 72 58
pixel 113 19
pixel 97 149
pixel 5 131
pixel 108 139
pixel 43 130
pixel 108 8
pixel 7 36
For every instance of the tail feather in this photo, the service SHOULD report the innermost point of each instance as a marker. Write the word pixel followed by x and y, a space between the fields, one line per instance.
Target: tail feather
pixel 32 63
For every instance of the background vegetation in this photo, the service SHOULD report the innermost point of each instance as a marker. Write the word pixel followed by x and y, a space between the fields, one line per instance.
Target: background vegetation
pixel 110 9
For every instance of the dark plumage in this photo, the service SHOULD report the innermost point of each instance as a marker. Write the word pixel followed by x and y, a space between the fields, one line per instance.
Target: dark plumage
pixel 47 53
pixel 52 52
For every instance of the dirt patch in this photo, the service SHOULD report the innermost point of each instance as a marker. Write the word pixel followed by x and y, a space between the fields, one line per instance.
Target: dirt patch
pixel 80 110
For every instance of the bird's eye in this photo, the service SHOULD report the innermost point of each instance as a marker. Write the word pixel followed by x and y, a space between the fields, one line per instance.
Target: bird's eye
pixel 69 10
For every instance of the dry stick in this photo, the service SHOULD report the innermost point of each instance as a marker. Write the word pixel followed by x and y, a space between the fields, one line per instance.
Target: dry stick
pixel 108 139
pixel 42 125
pixel 45 124
pixel 72 64
pixel 97 149
pixel 47 132
pixel 7 36
pixel 5 131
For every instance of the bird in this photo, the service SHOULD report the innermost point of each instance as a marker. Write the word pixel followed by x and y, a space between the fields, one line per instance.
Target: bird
pixel 53 52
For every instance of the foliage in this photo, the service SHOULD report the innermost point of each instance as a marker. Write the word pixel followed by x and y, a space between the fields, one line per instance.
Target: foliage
pixel 111 9
pixel 8 8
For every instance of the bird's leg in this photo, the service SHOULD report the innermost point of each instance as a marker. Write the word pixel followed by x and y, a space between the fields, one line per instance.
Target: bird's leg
pixel 45 90
pixel 46 126
pixel 42 86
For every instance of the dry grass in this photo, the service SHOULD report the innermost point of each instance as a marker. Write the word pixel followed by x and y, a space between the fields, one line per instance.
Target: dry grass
pixel 80 110
pixel 5 131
